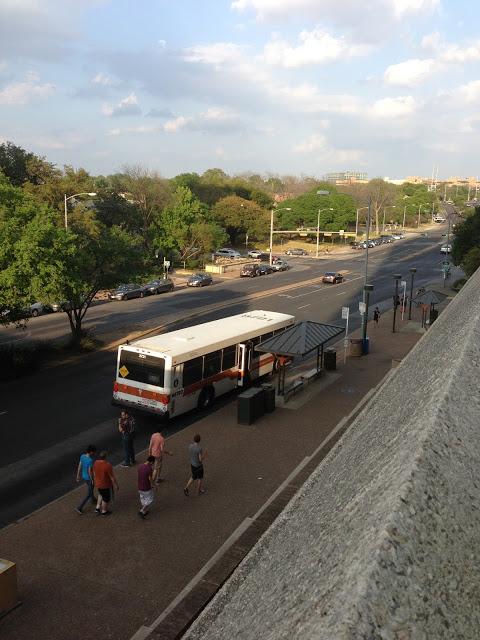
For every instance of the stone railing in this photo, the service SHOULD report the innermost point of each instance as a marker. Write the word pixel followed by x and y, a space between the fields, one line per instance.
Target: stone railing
pixel 383 540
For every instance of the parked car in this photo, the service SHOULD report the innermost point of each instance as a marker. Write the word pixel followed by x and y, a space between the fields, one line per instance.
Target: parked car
pixel 264 268
pixel 64 305
pixel 127 291
pixel 226 253
pixel 398 236
pixel 296 251
pixel 249 271
pixel 280 265
pixel 356 245
pixel 446 248
pixel 158 286
pixel 199 280
pixel 332 277
pixel 37 309
pixel 254 253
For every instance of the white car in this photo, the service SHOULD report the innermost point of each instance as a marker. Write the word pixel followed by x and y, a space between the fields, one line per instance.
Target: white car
pixel 255 253
pixel 446 248
pixel 227 253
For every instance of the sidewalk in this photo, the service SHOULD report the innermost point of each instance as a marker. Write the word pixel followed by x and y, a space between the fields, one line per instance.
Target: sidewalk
pixel 83 577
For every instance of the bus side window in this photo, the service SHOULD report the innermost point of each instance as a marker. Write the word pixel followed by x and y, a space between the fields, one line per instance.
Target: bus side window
pixel 229 357
pixel 192 371
pixel 212 364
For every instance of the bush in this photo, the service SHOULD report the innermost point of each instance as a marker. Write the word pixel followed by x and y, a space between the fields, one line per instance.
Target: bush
pixel 458 284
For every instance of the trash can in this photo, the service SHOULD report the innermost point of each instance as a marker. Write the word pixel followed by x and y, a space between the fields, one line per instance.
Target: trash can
pixel 365 346
pixel 356 347
pixel 250 405
pixel 330 359
pixel 268 397
pixel 433 315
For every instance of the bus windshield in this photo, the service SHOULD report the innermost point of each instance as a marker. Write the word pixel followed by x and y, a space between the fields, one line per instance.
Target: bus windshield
pixel 140 367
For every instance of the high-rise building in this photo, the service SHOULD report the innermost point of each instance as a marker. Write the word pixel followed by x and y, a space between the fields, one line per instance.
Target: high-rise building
pixel 346 177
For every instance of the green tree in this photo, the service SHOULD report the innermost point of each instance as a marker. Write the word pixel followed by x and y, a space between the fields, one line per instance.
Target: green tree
pixel 21 166
pixel 240 216
pixel 337 210
pixel 466 238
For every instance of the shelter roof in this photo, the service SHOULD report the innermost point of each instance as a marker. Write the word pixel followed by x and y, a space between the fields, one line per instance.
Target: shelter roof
pixel 430 297
pixel 300 339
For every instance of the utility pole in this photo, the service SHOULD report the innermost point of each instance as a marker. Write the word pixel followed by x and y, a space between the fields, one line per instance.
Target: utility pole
pixel 397 277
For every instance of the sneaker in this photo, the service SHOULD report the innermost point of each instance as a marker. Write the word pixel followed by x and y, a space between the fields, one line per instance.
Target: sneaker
pixel 142 515
pixel 79 511
pixel 105 513
pixel 159 480
pixel 185 491
pixel 201 491
pixel 98 512
pixel 125 465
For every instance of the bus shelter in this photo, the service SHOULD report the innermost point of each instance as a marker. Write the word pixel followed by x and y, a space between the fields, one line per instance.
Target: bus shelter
pixel 427 301
pixel 298 341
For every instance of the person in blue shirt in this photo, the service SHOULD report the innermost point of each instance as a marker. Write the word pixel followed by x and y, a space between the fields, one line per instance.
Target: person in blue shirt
pixel 85 474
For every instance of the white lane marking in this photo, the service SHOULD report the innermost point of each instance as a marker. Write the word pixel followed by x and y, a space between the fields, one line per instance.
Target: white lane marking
pixel 324 289
pixel 285 295
pixel 304 306
pixel 342 293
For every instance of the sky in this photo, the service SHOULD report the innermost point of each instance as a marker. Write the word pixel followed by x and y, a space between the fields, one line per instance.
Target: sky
pixel 298 87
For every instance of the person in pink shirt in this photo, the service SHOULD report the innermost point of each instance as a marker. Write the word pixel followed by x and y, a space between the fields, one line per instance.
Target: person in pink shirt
pixel 157 450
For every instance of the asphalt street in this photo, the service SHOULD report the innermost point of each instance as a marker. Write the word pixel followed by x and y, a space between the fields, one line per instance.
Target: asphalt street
pixel 47 419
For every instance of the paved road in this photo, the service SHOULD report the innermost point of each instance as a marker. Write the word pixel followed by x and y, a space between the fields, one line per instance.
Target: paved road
pixel 45 419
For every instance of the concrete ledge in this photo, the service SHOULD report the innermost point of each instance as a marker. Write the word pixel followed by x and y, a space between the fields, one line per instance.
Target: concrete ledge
pixel 383 540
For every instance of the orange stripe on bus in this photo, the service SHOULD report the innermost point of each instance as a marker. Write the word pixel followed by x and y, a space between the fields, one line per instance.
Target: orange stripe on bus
pixel 143 393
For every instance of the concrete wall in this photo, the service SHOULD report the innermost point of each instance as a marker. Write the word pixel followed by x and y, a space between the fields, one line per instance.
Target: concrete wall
pixel 383 541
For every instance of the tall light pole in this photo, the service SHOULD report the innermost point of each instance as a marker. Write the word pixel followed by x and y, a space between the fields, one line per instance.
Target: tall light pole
pixel 75 195
pixel 365 279
pixel 271 228
pixel 318 226
pixel 356 224
pixel 391 206
pixel 413 271
pixel 367 289
pixel 419 212
pixel 397 277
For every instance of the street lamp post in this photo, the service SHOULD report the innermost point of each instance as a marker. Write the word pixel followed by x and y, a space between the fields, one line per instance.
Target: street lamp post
pixel 75 195
pixel 271 228
pixel 413 271
pixel 318 226
pixel 367 289
pixel 365 279
pixel 397 277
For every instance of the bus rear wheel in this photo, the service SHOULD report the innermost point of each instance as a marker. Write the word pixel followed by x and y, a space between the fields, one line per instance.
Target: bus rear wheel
pixel 206 398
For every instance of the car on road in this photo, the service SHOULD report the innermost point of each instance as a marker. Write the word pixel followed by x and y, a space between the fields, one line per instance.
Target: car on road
pixel 127 291
pixel 332 277
pixel 199 280
pixel 356 245
pixel 446 248
pixel 255 253
pixel 227 253
pixel 264 269
pixel 161 285
pixel 280 265
pixel 296 251
pixel 249 271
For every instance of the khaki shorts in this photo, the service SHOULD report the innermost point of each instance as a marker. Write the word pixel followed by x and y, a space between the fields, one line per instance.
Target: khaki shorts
pixel 158 463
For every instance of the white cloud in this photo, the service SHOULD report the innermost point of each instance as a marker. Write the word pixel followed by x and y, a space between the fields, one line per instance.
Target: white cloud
pixel 402 7
pixel 126 107
pixel 308 99
pixel 162 43
pixel 315 47
pixel 394 107
pixel 21 93
pixel 315 142
pixel 469 93
pixel 102 79
pixel 217 53
pixel 172 126
pixel 136 130
pixel 451 53
pixel 411 72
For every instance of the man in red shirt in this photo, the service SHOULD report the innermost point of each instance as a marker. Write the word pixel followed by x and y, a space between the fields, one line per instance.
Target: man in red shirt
pixel 145 490
pixel 105 480
pixel 157 450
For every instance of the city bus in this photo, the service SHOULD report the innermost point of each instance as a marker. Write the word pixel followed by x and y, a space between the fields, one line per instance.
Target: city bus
pixel 175 372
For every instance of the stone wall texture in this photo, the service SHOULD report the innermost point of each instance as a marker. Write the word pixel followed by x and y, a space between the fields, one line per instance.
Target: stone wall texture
pixel 383 541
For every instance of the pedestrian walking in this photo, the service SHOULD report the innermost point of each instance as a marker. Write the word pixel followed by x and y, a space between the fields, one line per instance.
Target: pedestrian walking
pixel 85 474
pixel 145 486
pixel 104 480
pixel 197 456
pixel 126 426
pixel 376 315
pixel 157 450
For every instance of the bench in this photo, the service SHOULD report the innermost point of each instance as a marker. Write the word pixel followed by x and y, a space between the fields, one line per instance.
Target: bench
pixel 310 376
pixel 292 389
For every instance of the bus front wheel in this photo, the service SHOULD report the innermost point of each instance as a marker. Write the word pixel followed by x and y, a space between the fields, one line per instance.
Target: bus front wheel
pixel 206 398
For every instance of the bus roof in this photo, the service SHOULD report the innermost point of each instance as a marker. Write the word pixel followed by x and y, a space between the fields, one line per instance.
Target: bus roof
pixel 203 338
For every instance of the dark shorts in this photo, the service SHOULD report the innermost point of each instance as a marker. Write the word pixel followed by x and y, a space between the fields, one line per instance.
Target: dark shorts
pixel 197 472
pixel 106 494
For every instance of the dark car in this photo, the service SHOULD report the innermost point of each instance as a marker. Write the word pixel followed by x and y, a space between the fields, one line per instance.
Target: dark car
pixel 296 252
pixel 332 277
pixel 199 280
pixel 249 271
pixel 264 269
pixel 127 291
pixel 356 245
pixel 158 286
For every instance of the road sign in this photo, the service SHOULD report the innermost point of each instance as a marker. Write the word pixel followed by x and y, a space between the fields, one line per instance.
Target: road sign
pixel 345 313
pixel 341 232
pixel 166 263
pixel 403 283
pixel 362 307
pixel 446 263
pixel 323 193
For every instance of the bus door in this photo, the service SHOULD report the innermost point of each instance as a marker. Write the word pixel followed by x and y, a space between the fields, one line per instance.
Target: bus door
pixel 244 351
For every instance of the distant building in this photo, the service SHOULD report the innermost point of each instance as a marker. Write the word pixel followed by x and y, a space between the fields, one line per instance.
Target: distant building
pixel 346 177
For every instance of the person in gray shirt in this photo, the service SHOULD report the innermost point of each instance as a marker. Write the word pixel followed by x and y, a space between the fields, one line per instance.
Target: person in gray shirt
pixel 197 456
